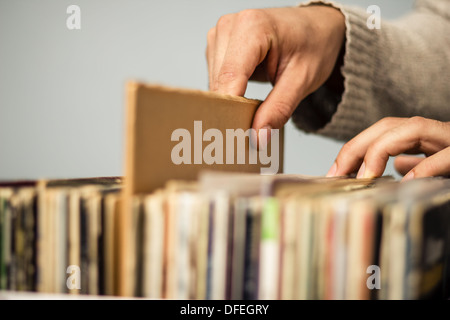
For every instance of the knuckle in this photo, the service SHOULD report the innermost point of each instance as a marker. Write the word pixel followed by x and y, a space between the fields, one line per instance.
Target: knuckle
pixel 284 110
pixel 387 120
pixel 226 76
pixel 418 122
pixel 250 15
pixel 347 148
pixel 230 82
pixel 376 151
pixel 224 21
pixel 258 20
pixel 376 146
pixel 230 79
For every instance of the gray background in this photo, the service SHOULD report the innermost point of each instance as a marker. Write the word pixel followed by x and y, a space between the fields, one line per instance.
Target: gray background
pixel 62 91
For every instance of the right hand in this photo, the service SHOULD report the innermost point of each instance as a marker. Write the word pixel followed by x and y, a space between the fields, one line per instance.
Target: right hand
pixel 295 48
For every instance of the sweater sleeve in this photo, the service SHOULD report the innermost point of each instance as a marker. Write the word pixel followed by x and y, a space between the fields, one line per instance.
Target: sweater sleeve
pixel 400 70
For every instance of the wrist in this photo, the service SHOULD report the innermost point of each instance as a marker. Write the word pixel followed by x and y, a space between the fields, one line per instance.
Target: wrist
pixel 330 18
pixel 335 34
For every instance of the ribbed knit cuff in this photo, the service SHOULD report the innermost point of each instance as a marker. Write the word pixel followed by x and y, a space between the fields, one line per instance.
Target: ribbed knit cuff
pixel 355 108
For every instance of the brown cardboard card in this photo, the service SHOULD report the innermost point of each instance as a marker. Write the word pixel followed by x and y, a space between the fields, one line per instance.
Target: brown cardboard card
pixel 175 133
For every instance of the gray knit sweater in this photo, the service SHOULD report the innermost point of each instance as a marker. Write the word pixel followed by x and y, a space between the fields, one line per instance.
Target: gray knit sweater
pixel 399 70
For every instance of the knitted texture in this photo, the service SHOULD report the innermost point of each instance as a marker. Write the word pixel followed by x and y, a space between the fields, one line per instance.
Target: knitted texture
pixel 399 70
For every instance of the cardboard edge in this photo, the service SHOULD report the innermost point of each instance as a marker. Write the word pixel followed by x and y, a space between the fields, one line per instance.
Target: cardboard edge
pixel 198 92
pixel 123 285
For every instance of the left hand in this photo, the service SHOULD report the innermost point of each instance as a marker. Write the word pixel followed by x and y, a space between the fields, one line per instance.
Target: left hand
pixel 369 152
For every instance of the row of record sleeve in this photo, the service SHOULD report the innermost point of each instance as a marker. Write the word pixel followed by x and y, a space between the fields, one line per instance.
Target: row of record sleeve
pixel 230 237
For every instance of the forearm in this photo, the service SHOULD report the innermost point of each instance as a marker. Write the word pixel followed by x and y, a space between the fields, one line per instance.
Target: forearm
pixel 401 69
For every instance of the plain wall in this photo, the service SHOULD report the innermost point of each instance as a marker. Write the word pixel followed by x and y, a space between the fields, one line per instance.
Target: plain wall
pixel 62 91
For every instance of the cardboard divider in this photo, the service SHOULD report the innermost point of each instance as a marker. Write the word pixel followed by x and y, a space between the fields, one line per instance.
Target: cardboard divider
pixel 174 134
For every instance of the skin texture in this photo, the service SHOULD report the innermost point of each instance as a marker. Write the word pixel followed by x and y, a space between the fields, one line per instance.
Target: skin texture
pixel 369 151
pixel 295 49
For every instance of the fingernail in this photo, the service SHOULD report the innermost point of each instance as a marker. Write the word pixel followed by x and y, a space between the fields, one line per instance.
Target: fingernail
pixel 264 135
pixel 409 176
pixel 333 170
pixel 361 171
pixel 369 175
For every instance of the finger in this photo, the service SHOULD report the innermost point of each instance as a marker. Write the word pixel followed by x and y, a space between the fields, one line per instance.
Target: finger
pixel 210 49
pixel 244 53
pixel 404 164
pixel 416 134
pixel 351 155
pixel 281 102
pixel 437 165
pixel 221 41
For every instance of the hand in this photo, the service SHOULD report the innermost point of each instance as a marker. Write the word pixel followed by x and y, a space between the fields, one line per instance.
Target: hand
pixel 294 48
pixel 370 150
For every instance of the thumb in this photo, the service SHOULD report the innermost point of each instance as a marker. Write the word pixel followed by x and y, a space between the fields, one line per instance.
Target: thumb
pixel 437 165
pixel 281 102
pixel 404 164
